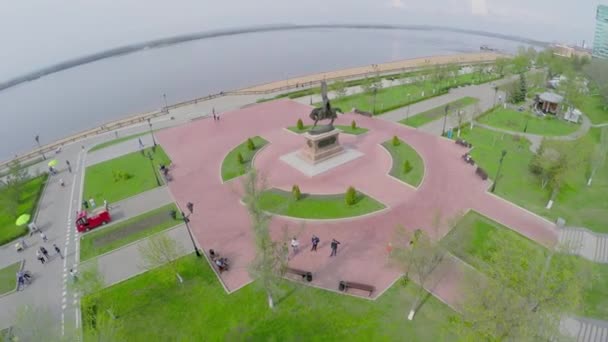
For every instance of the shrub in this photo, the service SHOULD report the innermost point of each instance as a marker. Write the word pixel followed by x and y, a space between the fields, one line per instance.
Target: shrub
pixel 351 196
pixel 407 167
pixel 250 144
pixel 295 190
pixel 121 175
pixel 353 125
pixel 300 124
pixel 396 141
pixel 239 158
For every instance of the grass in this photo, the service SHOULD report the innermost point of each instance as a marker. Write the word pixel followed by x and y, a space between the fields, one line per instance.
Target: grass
pixel 25 165
pixel 345 129
pixel 231 168
pixel 101 184
pixel 400 154
pixel 516 121
pixel 579 204
pixel 8 279
pixel 437 112
pixel 91 247
pixel 473 238
pixel 27 204
pixel 391 98
pixel 317 206
pixel 116 141
pixel 593 107
pixel 152 307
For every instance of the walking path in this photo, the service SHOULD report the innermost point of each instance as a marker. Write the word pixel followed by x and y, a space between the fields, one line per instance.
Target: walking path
pixel 141 203
pixel 117 150
pixel 586 329
pixel 581 241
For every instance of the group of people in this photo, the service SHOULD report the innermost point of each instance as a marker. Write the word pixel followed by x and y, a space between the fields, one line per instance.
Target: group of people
pixel 315 240
pixel 222 263
pixel 23 278
pixel 43 255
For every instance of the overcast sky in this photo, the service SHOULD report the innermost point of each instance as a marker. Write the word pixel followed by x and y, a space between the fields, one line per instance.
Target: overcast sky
pixel 35 33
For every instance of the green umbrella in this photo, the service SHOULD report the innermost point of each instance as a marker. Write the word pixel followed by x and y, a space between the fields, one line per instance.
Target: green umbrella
pixel 53 162
pixel 23 219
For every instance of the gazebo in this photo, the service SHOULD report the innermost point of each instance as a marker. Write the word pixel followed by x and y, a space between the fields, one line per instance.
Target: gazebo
pixel 548 102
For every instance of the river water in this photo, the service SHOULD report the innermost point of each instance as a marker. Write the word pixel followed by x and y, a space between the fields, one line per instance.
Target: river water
pixel 76 99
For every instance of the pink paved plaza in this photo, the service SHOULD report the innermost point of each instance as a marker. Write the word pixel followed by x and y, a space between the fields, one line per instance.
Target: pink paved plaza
pixel 450 188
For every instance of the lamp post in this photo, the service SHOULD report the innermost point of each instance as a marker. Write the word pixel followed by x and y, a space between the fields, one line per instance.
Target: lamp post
pixel 495 93
pixel 151 132
pixel 375 90
pixel 407 114
pixel 445 118
pixel 186 218
pixel 153 168
pixel 526 126
pixel 166 105
pixel 37 138
pixel 502 156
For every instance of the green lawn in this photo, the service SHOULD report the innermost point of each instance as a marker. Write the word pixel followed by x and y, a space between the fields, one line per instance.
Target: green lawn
pixel 473 238
pixel 400 154
pixel 116 141
pixel 101 184
pixel 8 279
pixel 317 206
pixel 343 128
pixel 516 121
pixel 437 112
pixel 103 240
pixel 593 107
pixel 28 201
pixel 152 307
pixel 391 98
pixel 230 165
pixel 579 204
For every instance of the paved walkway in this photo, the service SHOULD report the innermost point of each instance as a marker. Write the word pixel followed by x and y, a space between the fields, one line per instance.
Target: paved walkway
pixel 114 151
pixel 141 203
pixel 126 262
pixel 581 241
pixel 586 329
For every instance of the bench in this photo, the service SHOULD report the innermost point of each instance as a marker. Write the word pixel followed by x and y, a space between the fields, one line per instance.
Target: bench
pixel 345 285
pixel 463 142
pixel 357 111
pixel 481 173
pixel 304 274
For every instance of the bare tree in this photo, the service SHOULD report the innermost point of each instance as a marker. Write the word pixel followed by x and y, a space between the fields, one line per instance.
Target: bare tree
pixel 270 262
pixel 598 156
pixel 339 88
pixel 35 324
pixel 159 250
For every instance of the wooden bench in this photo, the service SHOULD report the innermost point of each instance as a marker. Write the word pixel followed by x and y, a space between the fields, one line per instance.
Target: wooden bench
pixel 481 173
pixel 304 274
pixel 345 285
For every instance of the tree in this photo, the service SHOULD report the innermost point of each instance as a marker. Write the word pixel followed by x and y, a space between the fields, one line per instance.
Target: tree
pixel 270 262
pixel 353 125
pixel 501 65
pixel 417 255
pixel 295 190
pixel 351 196
pixel 522 91
pixel 340 88
pixel 300 124
pixel 407 167
pixel 161 250
pixel 553 165
pixel 396 141
pixel 521 293
pixel 12 187
pixel 89 282
pixel 598 156
pixel 239 158
pixel 250 144
pixel 35 324
pixel 460 117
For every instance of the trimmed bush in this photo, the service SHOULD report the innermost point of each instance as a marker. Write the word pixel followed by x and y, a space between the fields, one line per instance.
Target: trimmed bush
pixel 295 190
pixel 353 125
pixel 407 167
pixel 396 141
pixel 250 144
pixel 240 159
pixel 121 175
pixel 300 124
pixel 351 196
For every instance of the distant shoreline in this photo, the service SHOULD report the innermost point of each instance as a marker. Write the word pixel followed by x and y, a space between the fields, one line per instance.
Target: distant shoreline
pixel 164 42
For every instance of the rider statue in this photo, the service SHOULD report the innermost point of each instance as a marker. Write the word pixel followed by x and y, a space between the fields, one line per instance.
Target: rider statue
pixel 323 113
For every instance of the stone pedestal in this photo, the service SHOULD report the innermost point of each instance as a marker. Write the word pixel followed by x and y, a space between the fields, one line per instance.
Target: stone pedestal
pixel 320 147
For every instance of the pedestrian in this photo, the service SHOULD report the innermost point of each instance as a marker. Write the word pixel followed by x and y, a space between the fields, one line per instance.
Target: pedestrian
pixel 58 251
pixel 45 253
pixel 334 247
pixel 141 144
pixel 33 228
pixel 61 182
pixel 69 166
pixel 116 133
pixel 39 257
pixel 85 204
pixel 43 236
pixel 214 118
pixel 315 242
pixel 92 202
pixel 105 204
pixel 73 275
pixel 23 244
pixel 295 245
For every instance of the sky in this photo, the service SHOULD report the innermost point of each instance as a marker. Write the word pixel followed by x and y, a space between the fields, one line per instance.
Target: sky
pixel 36 33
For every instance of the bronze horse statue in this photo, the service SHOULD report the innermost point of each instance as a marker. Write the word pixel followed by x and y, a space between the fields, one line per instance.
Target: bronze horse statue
pixel 326 111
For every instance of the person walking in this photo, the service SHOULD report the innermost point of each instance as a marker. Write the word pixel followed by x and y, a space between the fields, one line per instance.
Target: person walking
pixel 295 245
pixel 85 204
pixel 69 166
pixel 45 253
pixel 315 242
pixel 43 236
pixel 73 275
pixel 40 257
pixel 58 251
pixel 334 247
pixel 141 144
pixel 92 202
pixel 33 228
pixel 105 204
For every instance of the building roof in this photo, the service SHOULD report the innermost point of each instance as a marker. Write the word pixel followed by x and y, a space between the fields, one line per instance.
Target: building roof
pixel 550 97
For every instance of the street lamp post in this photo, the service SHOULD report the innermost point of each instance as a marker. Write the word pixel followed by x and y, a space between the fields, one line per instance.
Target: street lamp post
pixel 153 168
pixel 151 132
pixel 37 138
pixel 375 92
pixel 502 156
pixel 166 105
pixel 407 114
pixel 526 126
pixel 186 221
pixel 495 94
pixel 445 118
